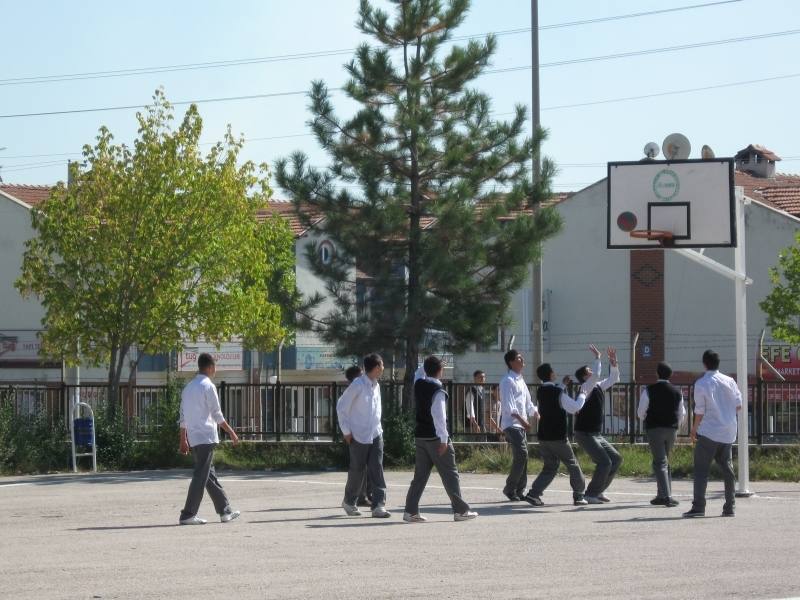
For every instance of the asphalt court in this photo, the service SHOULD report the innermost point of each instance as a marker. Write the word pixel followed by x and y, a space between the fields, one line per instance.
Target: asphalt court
pixel 115 535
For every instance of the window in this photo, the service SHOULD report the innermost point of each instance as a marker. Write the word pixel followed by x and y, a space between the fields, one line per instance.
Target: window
pixel 326 251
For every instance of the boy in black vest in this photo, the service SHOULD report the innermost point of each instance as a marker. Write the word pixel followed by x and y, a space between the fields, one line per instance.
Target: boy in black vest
pixel 433 446
pixel 589 425
pixel 662 409
pixel 553 404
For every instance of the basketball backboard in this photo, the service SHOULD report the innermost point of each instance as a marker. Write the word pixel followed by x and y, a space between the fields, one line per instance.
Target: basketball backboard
pixel 693 200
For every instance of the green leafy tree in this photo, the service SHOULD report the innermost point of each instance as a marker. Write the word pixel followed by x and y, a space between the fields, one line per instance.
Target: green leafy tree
pixel 154 244
pixel 782 305
pixel 427 197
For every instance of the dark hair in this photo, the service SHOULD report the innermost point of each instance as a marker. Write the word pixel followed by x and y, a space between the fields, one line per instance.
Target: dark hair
pixel 478 372
pixel 582 373
pixel 664 370
pixel 371 361
pixel 204 361
pixel 352 372
pixel 544 371
pixel 510 356
pixel 432 365
pixel 711 360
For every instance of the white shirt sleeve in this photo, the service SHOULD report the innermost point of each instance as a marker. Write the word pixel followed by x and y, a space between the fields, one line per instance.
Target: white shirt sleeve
pixel 182 417
pixel 699 399
pixel 213 404
pixel 681 412
pixel 470 402
pixel 570 405
pixel 439 414
pixel 530 407
pixel 737 393
pixel 644 404
pixel 613 377
pixel 343 407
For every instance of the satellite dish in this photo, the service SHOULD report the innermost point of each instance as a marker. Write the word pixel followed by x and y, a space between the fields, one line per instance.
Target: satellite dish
pixel 676 146
pixel 707 153
pixel 651 150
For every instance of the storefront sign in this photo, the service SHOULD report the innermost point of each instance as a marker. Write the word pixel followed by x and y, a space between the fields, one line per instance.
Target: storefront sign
pixel 229 357
pixel 23 345
pixel 786 360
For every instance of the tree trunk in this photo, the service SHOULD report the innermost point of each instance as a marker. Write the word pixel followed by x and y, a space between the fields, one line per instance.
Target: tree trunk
pixel 117 362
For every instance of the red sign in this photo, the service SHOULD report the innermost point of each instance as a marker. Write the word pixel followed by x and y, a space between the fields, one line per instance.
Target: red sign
pixel 784 358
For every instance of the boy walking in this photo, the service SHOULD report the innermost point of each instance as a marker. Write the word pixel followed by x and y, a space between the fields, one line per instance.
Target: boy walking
pixel 662 409
pixel 717 402
pixel 589 425
pixel 433 446
pixel 516 408
pixel 359 411
pixel 200 415
pixel 364 493
pixel 553 405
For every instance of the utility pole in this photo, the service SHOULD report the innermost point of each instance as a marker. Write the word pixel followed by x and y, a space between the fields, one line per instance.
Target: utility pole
pixel 537 354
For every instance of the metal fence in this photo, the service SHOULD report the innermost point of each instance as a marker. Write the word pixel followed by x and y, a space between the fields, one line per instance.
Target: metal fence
pixel 308 411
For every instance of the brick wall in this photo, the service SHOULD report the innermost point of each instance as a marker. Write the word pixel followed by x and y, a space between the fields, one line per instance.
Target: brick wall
pixel 647 310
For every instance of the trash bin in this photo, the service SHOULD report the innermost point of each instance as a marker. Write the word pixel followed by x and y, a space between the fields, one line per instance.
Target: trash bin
pixel 84 431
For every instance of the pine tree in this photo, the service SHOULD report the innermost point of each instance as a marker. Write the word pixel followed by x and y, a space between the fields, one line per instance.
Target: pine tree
pixel 427 197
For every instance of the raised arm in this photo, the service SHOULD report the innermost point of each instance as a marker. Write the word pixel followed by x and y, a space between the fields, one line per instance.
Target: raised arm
pixel 613 375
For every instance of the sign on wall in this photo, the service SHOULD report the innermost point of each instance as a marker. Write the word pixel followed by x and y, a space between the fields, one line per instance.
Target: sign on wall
pixel 23 345
pixel 786 360
pixel 320 357
pixel 229 356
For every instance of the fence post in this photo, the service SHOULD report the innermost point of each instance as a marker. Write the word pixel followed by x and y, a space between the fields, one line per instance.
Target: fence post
pixel 631 390
pixel 332 421
pixel 758 411
pixel 276 395
pixel 451 403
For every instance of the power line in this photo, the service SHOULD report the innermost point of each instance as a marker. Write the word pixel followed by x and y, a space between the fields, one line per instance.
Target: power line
pixel 309 55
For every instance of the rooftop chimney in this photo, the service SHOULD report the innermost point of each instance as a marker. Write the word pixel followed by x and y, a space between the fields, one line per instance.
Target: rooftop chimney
pixel 757 160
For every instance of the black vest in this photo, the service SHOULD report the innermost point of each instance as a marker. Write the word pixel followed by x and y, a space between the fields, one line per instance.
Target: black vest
pixel 424 392
pixel 552 418
pixel 590 418
pixel 665 402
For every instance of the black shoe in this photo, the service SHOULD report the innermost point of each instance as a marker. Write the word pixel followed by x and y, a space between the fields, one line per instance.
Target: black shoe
pixel 671 503
pixel 728 511
pixel 533 500
pixel 513 497
pixel 695 512
pixel 579 501
pixel 659 501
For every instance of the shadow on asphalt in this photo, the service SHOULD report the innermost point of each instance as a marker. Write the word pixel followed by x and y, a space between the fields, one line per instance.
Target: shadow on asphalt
pixel 645 519
pixel 123 527
pixel 602 507
pixel 375 523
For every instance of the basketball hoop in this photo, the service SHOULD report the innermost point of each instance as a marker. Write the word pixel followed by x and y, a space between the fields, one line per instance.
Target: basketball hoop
pixel 662 236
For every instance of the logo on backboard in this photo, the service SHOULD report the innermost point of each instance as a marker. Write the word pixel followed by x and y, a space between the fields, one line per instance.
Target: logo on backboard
pixel 666 184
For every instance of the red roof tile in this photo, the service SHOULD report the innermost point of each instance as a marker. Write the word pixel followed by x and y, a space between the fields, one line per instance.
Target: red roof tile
pixel 781 192
pixel 31 195
pixel 286 210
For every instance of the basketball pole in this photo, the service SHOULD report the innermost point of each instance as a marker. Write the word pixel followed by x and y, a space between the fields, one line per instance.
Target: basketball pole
pixel 741 281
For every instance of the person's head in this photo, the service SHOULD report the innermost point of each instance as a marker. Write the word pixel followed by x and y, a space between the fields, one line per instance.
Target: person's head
pixel 514 361
pixel 479 376
pixel 710 360
pixel 663 370
pixel 583 373
pixel 373 366
pixel 352 372
pixel 206 364
pixel 432 365
pixel 545 372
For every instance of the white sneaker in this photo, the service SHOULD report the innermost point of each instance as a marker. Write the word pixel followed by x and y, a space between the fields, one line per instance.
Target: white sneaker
pixel 380 512
pixel 351 510
pixel 226 517
pixel 417 518
pixel 592 500
pixel 465 516
pixel 193 521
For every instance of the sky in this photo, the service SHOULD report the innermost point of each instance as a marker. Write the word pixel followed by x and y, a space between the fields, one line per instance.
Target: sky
pixel 54 38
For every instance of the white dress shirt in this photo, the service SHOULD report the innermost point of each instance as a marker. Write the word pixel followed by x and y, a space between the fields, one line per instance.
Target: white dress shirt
pixel 200 411
pixel 515 399
pixel 439 411
pixel 588 385
pixel 644 404
pixel 716 397
pixel 565 400
pixel 470 401
pixel 359 410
